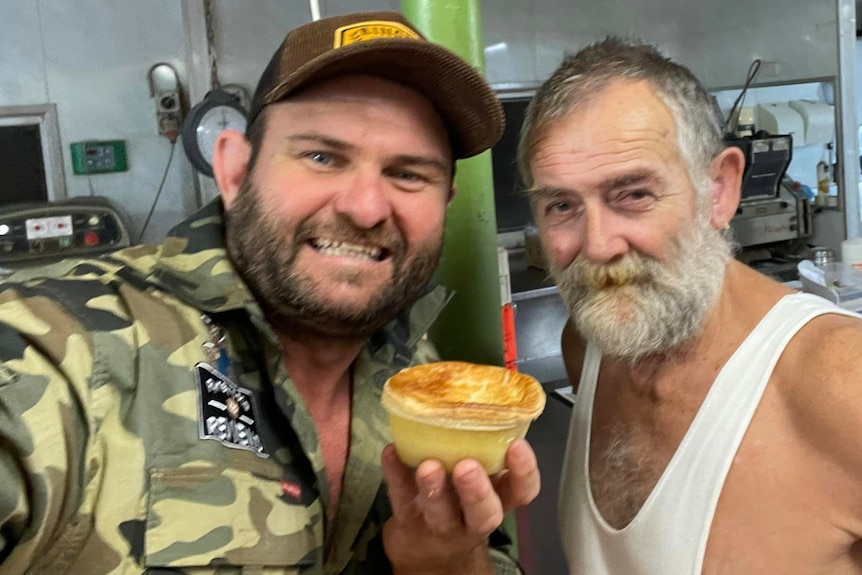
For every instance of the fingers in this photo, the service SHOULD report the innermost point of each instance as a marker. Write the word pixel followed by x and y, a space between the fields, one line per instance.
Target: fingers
pixel 424 495
pixel 437 500
pixel 481 507
pixel 467 503
pixel 522 482
pixel 400 483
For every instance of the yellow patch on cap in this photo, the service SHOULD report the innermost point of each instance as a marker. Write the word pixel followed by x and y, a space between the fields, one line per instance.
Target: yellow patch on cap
pixel 371 30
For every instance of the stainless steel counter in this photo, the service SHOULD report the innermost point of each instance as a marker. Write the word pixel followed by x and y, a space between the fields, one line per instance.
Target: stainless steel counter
pixel 539 319
pixel 524 278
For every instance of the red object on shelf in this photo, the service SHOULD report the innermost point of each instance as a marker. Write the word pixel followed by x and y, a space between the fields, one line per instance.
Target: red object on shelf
pixel 91 239
pixel 510 348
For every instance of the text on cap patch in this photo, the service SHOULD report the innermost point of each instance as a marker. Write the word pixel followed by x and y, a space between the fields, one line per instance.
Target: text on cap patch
pixel 371 30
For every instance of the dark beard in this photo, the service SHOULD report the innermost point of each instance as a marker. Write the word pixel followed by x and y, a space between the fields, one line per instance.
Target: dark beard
pixel 266 261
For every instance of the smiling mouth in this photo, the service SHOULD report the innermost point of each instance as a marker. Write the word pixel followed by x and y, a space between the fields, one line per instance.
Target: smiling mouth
pixel 345 249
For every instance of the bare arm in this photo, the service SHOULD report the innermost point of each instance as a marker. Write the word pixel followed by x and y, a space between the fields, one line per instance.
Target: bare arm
pixel 826 410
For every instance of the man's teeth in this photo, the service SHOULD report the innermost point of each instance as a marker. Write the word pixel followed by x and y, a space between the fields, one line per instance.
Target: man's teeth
pixel 332 248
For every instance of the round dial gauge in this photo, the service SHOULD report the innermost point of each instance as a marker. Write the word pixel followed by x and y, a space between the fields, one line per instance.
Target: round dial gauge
pixel 216 112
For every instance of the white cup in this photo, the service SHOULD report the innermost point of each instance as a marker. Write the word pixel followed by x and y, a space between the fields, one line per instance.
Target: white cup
pixel 851 252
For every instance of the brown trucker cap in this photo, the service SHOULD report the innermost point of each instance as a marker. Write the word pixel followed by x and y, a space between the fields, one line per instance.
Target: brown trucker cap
pixel 385 44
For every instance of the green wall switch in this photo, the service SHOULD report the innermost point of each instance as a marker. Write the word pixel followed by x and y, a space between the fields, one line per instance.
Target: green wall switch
pixel 99 157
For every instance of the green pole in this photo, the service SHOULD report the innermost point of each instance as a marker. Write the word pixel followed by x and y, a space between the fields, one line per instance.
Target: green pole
pixel 470 328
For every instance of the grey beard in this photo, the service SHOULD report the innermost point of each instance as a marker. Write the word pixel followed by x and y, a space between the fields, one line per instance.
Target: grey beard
pixel 660 313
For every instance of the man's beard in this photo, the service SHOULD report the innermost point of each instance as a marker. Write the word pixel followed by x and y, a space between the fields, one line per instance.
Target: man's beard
pixel 638 306
pixel 266 258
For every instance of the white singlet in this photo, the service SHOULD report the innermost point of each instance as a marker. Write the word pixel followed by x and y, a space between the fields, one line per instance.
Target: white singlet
pixel 668 535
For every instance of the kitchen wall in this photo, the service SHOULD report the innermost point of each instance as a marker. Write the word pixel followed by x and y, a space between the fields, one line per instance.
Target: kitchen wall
pixel 715 39
pixel 91 57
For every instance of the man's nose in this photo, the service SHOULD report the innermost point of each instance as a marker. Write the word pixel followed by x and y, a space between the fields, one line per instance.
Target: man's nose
pixel 365 200
pixel 602 237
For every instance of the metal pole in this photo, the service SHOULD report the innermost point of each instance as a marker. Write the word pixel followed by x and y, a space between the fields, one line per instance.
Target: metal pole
pixel 846 124
pixel 198 80
pixel 470 328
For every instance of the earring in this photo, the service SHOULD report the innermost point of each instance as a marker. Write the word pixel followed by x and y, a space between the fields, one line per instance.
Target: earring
pixel 726 226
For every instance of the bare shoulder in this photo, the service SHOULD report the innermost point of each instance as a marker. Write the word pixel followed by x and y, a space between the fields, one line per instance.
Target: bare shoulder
pixel 574 348
pixel 820 375
pixel 827 350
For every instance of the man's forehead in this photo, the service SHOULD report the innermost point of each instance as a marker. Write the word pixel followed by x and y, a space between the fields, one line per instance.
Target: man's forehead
pixel 626 104
pixel 625 120
pixel 357 95
pixel 343 109
pixel 627 130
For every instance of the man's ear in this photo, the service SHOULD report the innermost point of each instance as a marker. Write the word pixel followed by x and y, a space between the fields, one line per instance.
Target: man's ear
pixel 230 164
pixel 725 177
pixel 452 190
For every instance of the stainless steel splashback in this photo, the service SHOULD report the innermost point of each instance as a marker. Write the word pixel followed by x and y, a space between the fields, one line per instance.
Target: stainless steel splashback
pixel 539 319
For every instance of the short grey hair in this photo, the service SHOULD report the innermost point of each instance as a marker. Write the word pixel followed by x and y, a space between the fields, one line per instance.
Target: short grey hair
pixel 583 76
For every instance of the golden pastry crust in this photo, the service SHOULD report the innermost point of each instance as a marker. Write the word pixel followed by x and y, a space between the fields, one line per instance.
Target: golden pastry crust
pixel 464 395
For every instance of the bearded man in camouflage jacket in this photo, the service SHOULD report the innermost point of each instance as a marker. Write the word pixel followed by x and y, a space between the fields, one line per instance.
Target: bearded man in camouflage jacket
pixel 211 405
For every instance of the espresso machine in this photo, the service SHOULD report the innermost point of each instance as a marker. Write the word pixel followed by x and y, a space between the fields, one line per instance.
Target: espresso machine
pixel 774 214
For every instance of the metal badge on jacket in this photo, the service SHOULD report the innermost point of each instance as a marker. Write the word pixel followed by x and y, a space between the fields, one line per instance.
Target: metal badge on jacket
pixel 227 412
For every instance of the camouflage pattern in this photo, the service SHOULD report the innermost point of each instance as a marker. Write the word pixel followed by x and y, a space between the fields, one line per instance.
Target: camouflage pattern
pixel 102 465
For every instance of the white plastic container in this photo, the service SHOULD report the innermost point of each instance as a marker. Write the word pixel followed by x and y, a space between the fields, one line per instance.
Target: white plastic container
pixel 780 118
pixel 819 120
pixel 851 252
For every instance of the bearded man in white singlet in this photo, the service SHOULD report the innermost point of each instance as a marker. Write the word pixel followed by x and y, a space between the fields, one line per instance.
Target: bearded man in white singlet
pixel 718 425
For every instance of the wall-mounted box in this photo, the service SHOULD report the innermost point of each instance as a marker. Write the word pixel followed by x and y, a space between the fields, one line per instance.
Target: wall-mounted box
pixel 98 157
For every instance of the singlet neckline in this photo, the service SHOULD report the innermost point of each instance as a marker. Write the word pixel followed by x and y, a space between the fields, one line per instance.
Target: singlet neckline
pixel 684 442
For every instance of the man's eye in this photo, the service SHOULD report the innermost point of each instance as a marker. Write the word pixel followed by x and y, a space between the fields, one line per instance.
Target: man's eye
pixel 559 207
pixel 409 180
pixel 558 212
pixel 408 176
pixel 635 196
pixel 320 158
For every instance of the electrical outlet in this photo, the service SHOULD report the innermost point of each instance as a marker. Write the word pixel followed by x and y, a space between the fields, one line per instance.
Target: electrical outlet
pixel 168 124
pixel 169 115
pixel 98 157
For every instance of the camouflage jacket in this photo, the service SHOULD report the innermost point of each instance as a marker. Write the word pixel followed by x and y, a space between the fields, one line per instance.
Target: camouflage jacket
pixel 147 424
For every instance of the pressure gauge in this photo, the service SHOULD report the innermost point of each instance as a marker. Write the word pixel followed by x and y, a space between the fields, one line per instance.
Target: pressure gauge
pixel 218 111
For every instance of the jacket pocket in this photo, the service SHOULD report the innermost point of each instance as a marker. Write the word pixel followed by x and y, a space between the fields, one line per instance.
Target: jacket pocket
pixel 208 516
